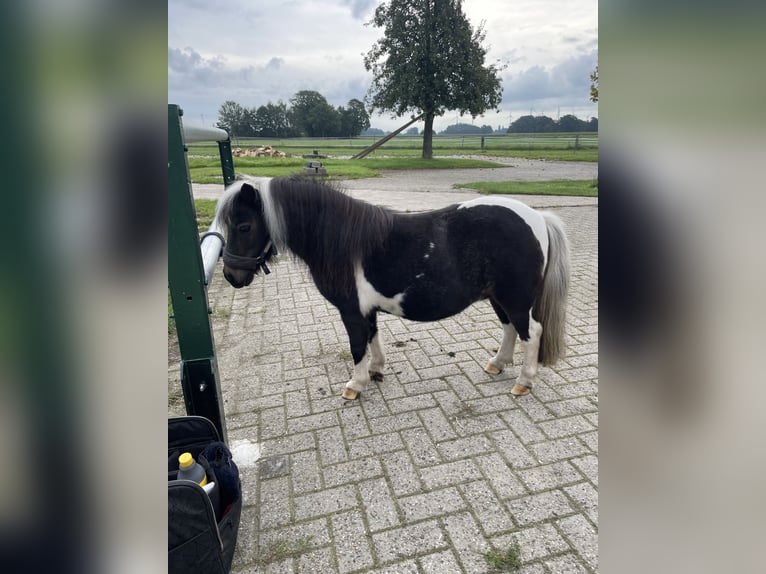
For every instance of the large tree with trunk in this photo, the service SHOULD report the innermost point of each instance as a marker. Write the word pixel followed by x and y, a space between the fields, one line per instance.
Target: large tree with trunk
pixel 429 61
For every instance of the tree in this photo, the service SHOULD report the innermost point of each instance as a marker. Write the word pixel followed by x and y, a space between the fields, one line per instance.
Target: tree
pixel 594 85
pixel 312 116
pixel 232 117
pixel 272 121
pixel 533 125
pixel 571 123
pixel 430 60
pixel 354 119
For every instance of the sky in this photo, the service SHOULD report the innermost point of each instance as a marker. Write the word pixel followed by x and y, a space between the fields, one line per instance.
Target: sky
pixel 260 51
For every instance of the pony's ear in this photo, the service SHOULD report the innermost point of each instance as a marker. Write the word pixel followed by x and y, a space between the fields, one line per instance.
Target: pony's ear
pixel 248 194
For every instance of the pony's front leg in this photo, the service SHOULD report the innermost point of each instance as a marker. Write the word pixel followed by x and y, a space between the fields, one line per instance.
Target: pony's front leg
pixel 358 329
pixel 529 369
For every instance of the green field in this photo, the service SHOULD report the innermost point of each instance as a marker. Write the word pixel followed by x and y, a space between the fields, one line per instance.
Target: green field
pixel 208 170
pixel 402 152
pixel 583 188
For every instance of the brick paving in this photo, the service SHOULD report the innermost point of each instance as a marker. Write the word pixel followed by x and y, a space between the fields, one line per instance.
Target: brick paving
pixel 437 463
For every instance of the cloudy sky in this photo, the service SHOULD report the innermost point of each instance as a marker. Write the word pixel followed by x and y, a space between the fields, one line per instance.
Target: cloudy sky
pixel 256 51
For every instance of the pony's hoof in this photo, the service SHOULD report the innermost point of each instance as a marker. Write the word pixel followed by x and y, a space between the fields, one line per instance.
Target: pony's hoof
pixel 376 376
pixel 492 369
pixel 519 390
pixel 349 394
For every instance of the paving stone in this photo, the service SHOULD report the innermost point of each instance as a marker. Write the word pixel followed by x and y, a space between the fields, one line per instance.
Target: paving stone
pixel 393 423
pixel 488 510
pixel 421 447
pixel 401 543
pixel 550 476
pixel 312 422
pixel 467 540
pixel 551 451
pixel 351 538
pixel 499 475
pixel 290 444
pixel 523 426
pixel 405 567
pixel 431 504
pixel 565 427
pixel 585 497
pixel 354 422
pixel 274 507
pixel 591 439
pixel 464 447
pixel 437 424
pixel 568 564
pixel 537 507
pixel 515 452
pixel 588 465
pixel 304 470
pixel 332 446
pixel 449 473
pixel 440 563
pixel 316 562
pixel 273 466
pixel 324 502
pixel 583 538
pixel 401 473
pixel 534 543
pixel 374 445
pixel 568 407
pixel 316 533
pixel 352 472
pixel 378 504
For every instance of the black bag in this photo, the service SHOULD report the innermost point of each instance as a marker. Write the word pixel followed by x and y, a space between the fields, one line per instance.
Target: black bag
pixel 202 529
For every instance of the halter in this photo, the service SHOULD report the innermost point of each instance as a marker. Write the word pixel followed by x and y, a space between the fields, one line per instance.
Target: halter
pixel 248 263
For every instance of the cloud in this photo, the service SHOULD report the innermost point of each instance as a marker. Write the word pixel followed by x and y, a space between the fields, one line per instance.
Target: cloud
pixel 568 82
pixel 360 8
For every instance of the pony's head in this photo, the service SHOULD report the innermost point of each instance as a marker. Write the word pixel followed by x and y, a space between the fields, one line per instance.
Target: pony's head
pixel 248 239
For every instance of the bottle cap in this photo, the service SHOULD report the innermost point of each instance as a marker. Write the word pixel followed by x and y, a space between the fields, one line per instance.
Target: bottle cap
pixel 185 460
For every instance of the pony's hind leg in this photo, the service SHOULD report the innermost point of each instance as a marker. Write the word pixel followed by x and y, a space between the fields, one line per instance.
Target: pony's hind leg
pixel 377 357
pixel 504 354
pixel 358 329
pixel 529 369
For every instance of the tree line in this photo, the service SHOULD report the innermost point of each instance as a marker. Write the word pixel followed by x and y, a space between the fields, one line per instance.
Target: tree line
pixel 308 115
pixel 544 124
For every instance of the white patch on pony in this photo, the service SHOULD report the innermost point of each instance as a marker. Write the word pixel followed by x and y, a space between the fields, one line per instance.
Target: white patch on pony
pixel 273 216
pixel 361 377
pixel 431 245
pixel 531 217
pixel 426 256
pixel 531 347
pixel 504 354
pixel 377 359
pixel 420 275
pixel 370 299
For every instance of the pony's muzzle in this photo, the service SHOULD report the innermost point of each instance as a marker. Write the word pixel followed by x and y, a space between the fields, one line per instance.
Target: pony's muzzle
pixel 238 278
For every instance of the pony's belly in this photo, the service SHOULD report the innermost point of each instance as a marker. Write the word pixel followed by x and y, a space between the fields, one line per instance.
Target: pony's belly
pixel 433 305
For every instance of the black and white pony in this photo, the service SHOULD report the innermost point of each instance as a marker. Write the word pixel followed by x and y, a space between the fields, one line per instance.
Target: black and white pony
pixel 421 266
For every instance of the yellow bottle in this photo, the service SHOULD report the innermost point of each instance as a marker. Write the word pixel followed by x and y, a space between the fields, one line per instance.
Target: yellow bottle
pixel 190 469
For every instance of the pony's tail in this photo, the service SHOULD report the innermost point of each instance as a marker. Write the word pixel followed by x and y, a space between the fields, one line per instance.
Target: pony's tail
pixel 550 306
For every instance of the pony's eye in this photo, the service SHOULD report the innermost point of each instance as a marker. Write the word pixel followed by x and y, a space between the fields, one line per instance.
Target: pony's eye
pixel 243 228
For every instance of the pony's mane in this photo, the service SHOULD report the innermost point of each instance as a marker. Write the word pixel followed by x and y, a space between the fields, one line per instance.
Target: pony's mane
pixel 318 222
pixel 330 230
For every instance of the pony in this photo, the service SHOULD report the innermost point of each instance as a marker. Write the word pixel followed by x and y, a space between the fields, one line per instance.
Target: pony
pixel 425 266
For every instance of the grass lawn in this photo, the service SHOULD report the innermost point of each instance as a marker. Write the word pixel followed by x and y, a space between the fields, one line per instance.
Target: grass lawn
pixel 583 188
pixel 208 170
